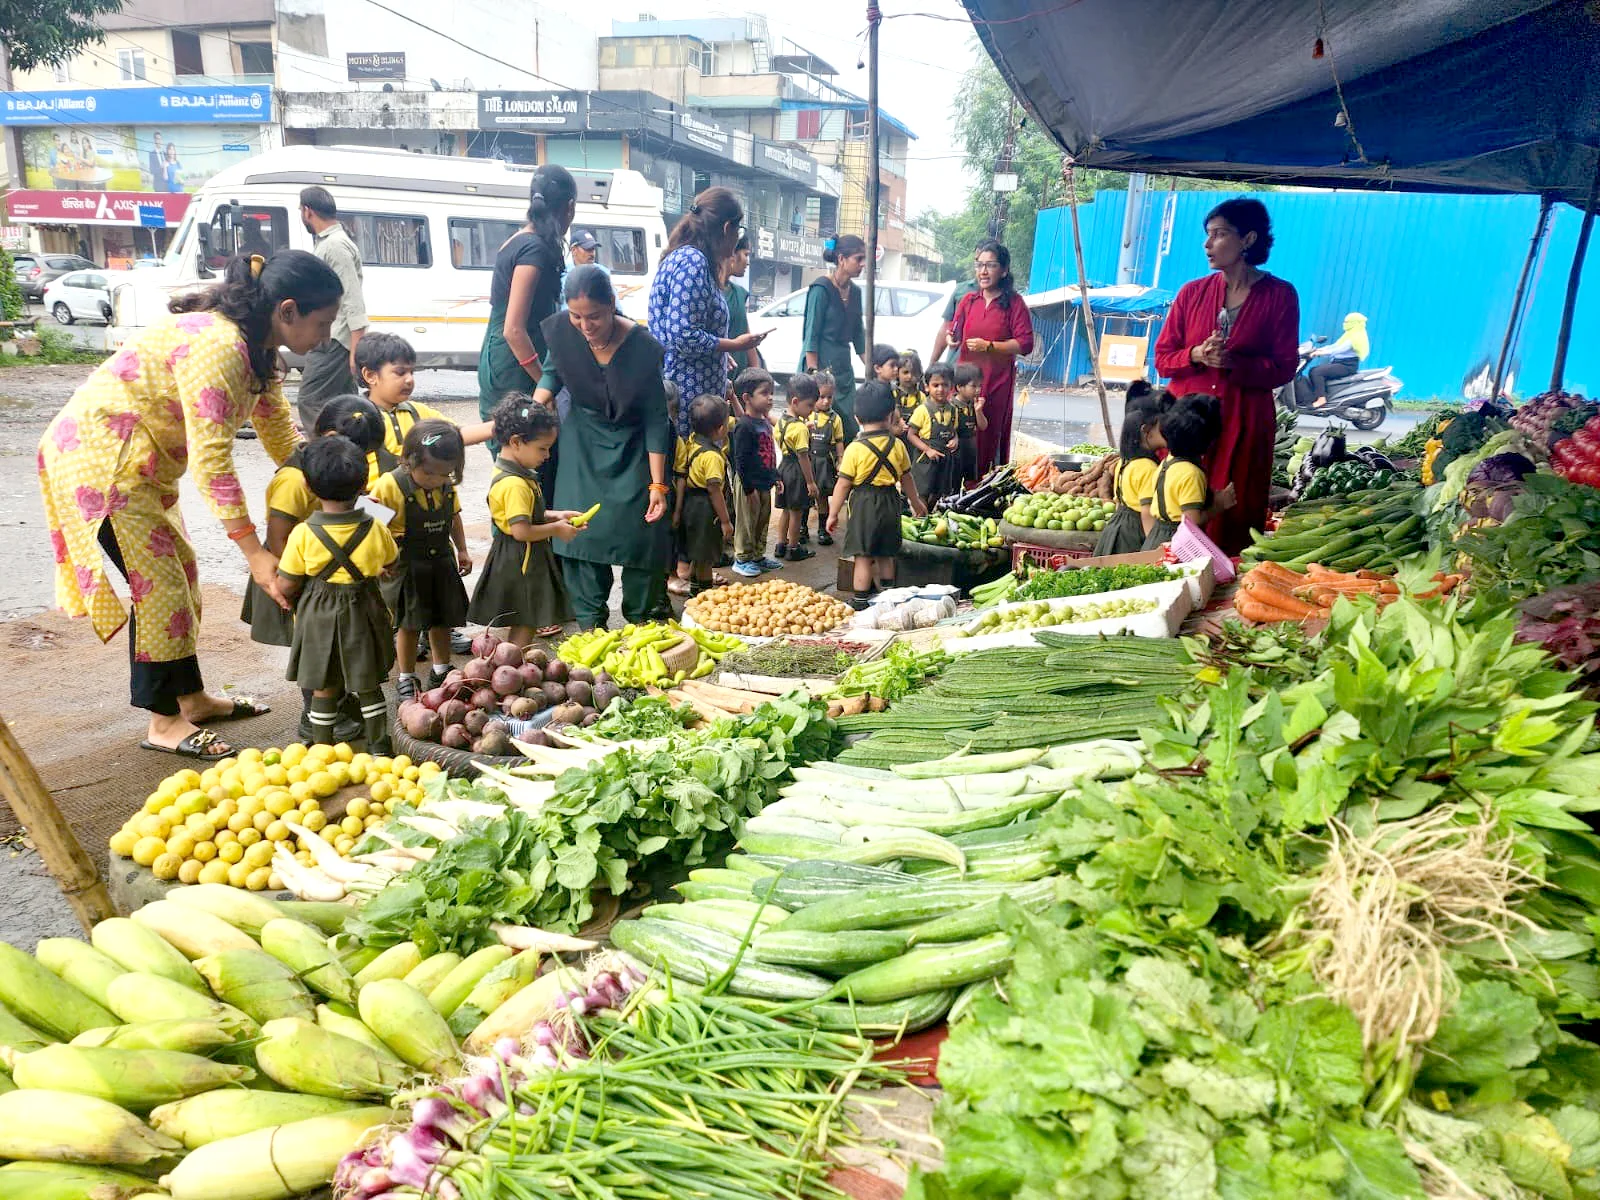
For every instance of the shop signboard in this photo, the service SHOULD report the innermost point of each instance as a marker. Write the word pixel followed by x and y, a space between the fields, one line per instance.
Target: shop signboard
pixel 794 249
pixel 139 106
pixel 533 112
pixel 690 130
pixel 96 208
pixel 375 64
pixel 783 160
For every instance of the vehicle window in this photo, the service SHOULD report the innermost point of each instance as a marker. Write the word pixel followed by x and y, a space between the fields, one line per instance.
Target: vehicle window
pixel 908 302
pixel 389 239
pixel 474 241
pixel 68 280
pixel 262 230
pixel 621 249
pixel 65 264
pixel 94 281
pixel 881 302
pixel 792 305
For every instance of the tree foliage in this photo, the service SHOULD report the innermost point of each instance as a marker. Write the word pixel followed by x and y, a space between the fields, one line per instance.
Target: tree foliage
pixel 12 304
pixel 45 32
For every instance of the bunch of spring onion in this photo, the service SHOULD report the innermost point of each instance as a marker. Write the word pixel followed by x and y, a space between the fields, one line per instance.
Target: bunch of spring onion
pixel 630 1090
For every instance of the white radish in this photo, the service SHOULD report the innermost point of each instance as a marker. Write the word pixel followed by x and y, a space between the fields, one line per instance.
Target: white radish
pixel 526 937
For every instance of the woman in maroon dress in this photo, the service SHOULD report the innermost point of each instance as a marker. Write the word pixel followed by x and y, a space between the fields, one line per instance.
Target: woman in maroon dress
pixel 1235 334
pixel 992 327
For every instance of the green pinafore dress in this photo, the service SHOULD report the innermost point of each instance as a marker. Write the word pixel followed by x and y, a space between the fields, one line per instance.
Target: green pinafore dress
pixel 343 638
pixel 1167 522
pixel 874 524
pixel 269 624
pixel 1124 532
pixel 521 582
pixel 432 595
pixel 702 536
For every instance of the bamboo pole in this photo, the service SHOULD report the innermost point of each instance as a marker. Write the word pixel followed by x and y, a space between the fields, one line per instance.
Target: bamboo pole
pixel 1545 204
pixel 1564 338
pixel 69 865
pixel 1083 299
pixel 874 183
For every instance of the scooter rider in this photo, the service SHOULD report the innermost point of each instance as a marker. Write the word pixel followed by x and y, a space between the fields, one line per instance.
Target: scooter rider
pixel 1339 360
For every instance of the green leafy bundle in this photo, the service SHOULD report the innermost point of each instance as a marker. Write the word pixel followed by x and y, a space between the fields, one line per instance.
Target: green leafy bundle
pixel 1047 585
pixel 1552 537
pixel 678 801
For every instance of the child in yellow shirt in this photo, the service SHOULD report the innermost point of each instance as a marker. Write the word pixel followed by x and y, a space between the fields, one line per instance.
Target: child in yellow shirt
pixel 875 466
pixel 797 486
pixel 704 524
pixel 932 434
pixel 331 563
pixel 1136 470
pixel 827 444
pixel 1180 489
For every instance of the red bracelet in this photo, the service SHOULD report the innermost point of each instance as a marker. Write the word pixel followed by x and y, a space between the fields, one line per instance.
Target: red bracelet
pixel 239 535
pixel 523 362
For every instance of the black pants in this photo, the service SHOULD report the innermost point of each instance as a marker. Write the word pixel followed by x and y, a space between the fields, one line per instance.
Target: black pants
pixel 1325 370
pixel 326 374
pixel 154 686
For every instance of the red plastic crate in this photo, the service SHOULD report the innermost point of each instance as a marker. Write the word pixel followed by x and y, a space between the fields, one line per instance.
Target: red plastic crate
pixel 1051 558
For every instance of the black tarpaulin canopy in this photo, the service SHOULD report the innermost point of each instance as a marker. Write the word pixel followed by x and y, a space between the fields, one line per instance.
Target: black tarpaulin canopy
pixel 1454 95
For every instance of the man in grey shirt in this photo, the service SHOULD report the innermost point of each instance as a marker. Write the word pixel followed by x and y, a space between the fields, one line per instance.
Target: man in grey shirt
pixel 329 370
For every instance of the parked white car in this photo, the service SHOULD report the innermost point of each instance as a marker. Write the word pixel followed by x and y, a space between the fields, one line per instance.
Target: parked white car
pixel 81 296
pixel 908 318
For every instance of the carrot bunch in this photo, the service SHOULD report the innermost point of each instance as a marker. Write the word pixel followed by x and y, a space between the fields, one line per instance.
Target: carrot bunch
pixel 1038 474
pixel 1270 592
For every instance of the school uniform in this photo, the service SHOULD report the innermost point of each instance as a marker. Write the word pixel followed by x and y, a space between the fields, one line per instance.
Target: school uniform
pixel 1134 487
pixel 288 496
pixel 1179 484
pixel 379 463
pixel 935 425
pixel 966 466
pixel 794 444
pixel 521 583
pixel 704 463
pixel 397 422
pixel 874 463
pixel 343 639
pixel 827 431
pixel 431 594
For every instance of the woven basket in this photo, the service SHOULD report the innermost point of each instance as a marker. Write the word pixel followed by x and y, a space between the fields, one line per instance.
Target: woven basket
pixel 455 762
pixel 1055 539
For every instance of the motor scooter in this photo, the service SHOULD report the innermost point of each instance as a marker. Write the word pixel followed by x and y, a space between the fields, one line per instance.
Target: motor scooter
pixel 1364 399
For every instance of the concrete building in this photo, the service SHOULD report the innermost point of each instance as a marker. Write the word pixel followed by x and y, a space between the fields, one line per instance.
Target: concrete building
pixel 735 72
pixel 105 149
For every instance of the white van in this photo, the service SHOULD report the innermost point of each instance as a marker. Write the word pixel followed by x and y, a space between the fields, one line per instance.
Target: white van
pixel 427 226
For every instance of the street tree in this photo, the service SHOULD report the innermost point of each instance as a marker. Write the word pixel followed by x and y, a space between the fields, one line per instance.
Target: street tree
pixel 45 32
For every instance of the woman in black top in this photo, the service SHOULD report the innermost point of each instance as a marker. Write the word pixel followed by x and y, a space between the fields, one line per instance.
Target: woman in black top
pixel 834 326
pixel 526 289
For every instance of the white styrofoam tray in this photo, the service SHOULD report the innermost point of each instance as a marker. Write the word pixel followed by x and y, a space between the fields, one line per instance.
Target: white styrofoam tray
pixel 1174 601
pixel 1201 578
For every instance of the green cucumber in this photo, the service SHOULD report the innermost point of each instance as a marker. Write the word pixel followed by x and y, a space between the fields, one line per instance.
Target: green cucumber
pixel 934 967
pixel 703 956
pixel 874 908
pixel 835 953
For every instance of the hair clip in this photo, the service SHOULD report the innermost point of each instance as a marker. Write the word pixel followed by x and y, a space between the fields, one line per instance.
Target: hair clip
pixel 256 265
pixel 431 439
pixel 694 210
pixel 831 244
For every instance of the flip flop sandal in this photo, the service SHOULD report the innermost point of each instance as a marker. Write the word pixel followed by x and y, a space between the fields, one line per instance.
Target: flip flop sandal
pixel 678 587
pixel 201 744
pixel 718 578
pixel 244 707
pixel 548 632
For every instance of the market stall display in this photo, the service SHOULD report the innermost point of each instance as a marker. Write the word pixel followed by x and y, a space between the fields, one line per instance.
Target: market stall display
pixel 1047 510
pixel 649 654
pixel 953 529
pixel 1373 530
pixel 767 609
pixel 988 497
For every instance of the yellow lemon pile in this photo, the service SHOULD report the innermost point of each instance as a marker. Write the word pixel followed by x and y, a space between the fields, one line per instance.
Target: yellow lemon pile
pixel 221 825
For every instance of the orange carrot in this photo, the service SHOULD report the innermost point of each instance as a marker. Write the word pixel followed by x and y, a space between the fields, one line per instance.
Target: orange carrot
pixel 1278 598
pixel 1252 609
pixel 1278 573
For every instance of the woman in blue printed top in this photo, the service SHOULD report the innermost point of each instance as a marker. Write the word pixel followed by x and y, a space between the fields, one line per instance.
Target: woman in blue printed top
pixel 688 314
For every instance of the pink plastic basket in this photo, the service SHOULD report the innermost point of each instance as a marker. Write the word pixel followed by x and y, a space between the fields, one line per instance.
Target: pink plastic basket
pixel 1190 543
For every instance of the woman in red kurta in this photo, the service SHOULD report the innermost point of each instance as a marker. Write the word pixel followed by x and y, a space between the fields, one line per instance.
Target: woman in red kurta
pixel 1235 334
pixel 992 327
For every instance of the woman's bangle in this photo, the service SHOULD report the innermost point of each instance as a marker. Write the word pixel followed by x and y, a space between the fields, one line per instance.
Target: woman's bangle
pixel 239 535
pixel 524 363
pixel 660 487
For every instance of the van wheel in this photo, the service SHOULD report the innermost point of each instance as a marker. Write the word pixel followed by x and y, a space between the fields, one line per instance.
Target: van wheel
pixel 62 313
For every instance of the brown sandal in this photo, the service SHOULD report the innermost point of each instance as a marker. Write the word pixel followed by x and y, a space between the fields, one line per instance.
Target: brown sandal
pixel 201 744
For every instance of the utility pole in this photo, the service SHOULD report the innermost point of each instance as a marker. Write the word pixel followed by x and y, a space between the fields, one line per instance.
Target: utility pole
pixel 874 19
pixel 1005 174
pixel 1083 296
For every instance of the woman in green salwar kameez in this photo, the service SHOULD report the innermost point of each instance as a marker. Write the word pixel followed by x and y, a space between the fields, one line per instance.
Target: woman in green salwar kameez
pixel 614 446
pixel 834 326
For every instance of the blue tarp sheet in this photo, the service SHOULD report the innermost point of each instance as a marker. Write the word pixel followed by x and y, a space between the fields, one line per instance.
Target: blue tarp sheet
pixel 1432 95
pixel 1105 302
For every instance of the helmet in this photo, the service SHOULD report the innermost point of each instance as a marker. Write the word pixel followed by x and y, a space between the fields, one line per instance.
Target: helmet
pixel 1353 319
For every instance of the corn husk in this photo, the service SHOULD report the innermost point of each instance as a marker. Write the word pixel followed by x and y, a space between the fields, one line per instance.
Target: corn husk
pixel 345 1025
pixel 138 999
pixel 191 1035
pixel 5 1083
pixel 79 964
pixel 304 1057
pixel 257 984
pixel 69 1181
pixel 454 987
pixel 57 1126
pixel 137 1080
pixel 43 1000
pixel 326 915
pixel 231 1112
pixel 245 911
pixel 394 963
pixel 524 1010
pixel 306 952
pixel 409 1025
pixel 273 1163
pixel 18 1035
pixel 432 970
pixel 493 990
pixel 194 932
pixel 144 951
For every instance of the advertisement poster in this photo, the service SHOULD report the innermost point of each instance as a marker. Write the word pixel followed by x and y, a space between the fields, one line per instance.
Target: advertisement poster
pixel 126 158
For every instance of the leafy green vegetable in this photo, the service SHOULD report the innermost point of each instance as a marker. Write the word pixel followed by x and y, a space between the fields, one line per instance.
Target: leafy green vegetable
pixel 1046 585
pixel 639 720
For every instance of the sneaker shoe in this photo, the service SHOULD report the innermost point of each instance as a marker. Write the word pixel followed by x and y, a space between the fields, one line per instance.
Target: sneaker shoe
pixel 460 643
pixel 780 551
pixel 824 538
pixel 805 535
pixel 436 677
pixel 800 554
pixel 752 570
pixel 405 686
pixel 768 564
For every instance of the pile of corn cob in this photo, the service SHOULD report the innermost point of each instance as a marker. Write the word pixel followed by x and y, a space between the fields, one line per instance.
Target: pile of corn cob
pixel 123 1058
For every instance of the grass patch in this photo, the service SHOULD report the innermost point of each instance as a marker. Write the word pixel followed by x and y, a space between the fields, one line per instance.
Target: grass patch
pixel 55 349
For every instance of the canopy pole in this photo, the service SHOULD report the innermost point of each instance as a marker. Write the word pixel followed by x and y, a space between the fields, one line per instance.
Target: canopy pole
pixel 874 19
pixel 1083 297
pixel 72 869
pixel 1546 203
pixel 1574 278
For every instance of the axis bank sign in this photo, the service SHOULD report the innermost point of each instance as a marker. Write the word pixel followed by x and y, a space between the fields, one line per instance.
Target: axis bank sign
pixel 99 208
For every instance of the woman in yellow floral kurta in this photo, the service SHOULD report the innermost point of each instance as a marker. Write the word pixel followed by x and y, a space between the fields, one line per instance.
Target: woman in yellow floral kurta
pixel 167 403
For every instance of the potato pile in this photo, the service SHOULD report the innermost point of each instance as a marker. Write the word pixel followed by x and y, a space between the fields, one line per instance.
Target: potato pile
pixel 768 609
pixel 222 825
